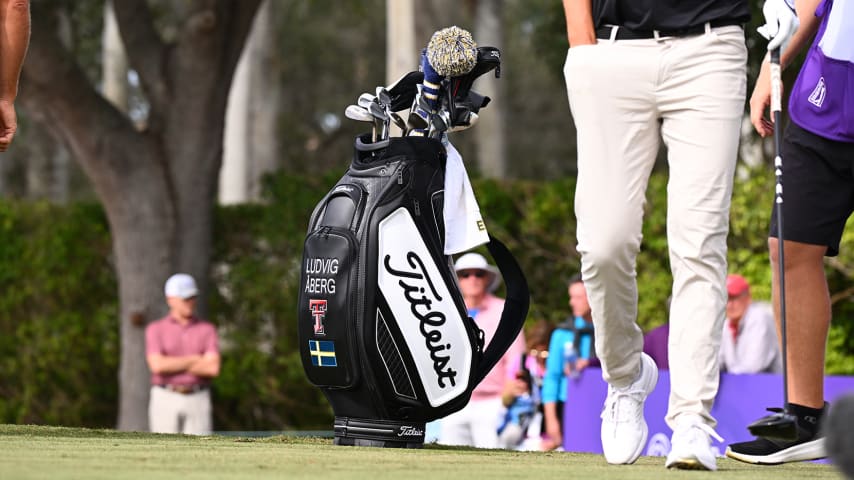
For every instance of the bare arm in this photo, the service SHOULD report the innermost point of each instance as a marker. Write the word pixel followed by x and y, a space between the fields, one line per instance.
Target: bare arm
pixel 802 36
pixel 579 22
pixel 207 366
pixel 553 427
pixel 14 40
pixel 166 365
pixel 761 97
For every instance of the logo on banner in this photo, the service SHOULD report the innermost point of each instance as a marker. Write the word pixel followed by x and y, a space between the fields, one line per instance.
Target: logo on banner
pixel 322 353
pixel 318 311
pixel 424 310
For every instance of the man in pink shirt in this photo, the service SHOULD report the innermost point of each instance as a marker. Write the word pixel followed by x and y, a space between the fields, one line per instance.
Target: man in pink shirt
pixel 477 423
pixel 182 352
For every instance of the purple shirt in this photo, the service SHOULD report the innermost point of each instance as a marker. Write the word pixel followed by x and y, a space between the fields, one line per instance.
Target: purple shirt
pixel 821 100
pixel 169 338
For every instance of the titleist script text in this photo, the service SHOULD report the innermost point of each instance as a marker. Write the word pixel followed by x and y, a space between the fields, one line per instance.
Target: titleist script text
pixel 421 305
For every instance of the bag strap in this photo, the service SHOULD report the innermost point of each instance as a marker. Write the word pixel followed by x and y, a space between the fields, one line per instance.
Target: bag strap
pixel 515 307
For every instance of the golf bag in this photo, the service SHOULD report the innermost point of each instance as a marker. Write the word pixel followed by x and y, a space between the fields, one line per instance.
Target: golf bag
pixel 383 329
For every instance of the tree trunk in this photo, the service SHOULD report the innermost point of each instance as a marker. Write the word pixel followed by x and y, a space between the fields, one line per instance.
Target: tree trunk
pixel 157 184
pixel 401 52
pixel 114 69
pixel 252 114
pixel 489 132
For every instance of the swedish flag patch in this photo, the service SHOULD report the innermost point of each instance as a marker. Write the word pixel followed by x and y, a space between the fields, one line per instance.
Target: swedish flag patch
pixel 322 353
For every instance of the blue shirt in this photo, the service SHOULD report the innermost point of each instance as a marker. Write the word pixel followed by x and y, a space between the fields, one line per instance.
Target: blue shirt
pixel 554 380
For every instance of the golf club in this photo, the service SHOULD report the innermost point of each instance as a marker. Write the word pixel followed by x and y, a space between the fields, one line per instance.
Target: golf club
pixel 360 114
pixel 781 424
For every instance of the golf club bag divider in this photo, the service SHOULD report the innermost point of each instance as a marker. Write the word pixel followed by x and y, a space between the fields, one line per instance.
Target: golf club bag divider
pixel 383 328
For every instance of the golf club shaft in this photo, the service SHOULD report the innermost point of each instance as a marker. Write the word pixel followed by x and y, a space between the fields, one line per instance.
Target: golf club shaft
pixel 776 110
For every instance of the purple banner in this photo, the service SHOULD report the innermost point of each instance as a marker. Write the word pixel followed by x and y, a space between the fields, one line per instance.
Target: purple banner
pixel 741 400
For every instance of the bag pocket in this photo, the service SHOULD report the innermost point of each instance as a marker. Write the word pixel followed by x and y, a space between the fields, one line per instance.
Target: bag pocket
pixel 327 308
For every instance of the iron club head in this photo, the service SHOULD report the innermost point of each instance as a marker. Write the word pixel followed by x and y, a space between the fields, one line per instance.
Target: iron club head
pixel 355 112
pixel 780 425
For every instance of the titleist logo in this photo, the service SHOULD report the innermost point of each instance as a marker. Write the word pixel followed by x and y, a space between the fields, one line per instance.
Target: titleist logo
pixel 421 305
pixel 409 431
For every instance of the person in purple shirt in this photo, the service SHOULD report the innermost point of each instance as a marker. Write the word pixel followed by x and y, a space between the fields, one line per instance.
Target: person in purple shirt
pixel 818 175
pixel 182 352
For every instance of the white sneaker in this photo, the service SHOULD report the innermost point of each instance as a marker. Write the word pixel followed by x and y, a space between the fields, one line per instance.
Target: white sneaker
pixel 624 429
pixel 690 447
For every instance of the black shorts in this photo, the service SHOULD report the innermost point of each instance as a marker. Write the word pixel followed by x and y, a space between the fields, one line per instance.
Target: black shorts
pixel 818 189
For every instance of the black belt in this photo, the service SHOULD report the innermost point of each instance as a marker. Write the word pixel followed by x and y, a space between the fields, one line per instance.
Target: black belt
pixel 184 389
pixel 624 33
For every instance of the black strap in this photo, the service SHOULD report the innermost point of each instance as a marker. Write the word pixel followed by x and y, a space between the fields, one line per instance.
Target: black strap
pixel 515 307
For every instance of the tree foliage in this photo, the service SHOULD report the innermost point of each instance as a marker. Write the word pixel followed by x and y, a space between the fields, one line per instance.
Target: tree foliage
pixel 59 346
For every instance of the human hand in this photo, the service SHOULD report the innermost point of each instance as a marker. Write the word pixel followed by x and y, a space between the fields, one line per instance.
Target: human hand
pixel 781 21
pixel 760 100
pixel 581 364
pixel 8 124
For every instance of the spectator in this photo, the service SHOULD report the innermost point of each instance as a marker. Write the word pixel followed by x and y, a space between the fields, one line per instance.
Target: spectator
pixel 571 350
pixel 749 342
pixel 183 355
pixel 15 26
pixel 477 423
pixel 523 423
pixel 655 342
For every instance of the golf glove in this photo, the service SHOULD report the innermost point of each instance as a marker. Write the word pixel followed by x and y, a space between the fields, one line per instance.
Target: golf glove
pixel 781 21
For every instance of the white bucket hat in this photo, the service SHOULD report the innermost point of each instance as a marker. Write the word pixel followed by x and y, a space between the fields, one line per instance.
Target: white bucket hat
pixel 476 261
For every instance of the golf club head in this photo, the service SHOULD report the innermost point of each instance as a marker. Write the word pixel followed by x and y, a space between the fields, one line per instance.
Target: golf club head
pixel 383 97
pixel 780 425
pixel 355 112
pixel 365 100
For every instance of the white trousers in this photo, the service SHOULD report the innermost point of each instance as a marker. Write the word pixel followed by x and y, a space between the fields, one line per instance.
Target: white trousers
pixel 625 96
pixel 476 425
pixel 172 412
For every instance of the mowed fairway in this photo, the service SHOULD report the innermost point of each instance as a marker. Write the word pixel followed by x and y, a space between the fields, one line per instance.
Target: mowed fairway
pixel 28 452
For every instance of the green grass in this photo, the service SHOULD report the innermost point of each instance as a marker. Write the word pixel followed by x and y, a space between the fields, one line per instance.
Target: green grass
pixel 32 452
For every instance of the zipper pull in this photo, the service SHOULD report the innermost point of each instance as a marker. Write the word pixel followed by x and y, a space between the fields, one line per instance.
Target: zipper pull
pixel 417 208
pixel 400 177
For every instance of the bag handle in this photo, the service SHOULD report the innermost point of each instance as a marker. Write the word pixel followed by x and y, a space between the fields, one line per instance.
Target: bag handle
pixel 515 307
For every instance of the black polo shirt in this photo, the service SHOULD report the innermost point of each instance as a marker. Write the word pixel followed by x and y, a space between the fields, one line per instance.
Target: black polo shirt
pixel 667 14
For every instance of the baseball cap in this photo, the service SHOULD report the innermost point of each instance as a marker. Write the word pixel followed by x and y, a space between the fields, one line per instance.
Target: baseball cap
pixel 181 285
pixel 736 285
pixel 476 261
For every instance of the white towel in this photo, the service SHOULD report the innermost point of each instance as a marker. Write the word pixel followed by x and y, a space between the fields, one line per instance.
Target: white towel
pixel 464 226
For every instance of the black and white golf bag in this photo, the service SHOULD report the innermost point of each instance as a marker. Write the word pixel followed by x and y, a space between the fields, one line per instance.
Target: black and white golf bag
pixel 383 330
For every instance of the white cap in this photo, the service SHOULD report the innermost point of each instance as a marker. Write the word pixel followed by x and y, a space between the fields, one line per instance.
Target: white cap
pixel 181 285
pixel 476 261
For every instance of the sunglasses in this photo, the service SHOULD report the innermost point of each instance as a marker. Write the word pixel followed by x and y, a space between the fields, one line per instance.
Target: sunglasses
pixel 541 354
pixel 469 273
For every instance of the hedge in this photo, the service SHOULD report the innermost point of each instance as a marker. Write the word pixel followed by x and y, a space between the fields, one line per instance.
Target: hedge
pixel 58 310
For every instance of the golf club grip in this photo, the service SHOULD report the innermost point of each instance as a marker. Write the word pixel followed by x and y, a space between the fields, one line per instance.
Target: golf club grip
pixel 776 82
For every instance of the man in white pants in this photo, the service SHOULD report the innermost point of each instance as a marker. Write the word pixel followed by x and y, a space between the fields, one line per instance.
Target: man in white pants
pixel 182 352
pixel 638 71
